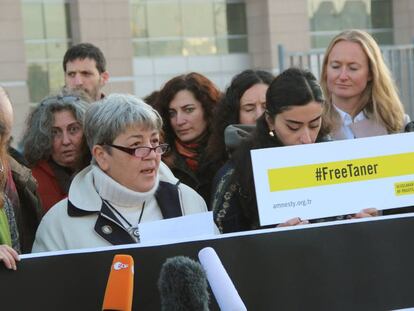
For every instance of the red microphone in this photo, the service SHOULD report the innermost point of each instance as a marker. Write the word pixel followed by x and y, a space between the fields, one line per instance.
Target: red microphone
pixel 120 287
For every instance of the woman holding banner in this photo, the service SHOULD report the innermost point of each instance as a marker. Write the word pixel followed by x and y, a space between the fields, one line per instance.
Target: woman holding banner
pixel 361 97
pixel 9 237
pixel 293 116
pixel 124 186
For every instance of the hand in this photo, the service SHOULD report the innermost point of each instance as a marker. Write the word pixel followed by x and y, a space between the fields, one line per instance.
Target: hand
pixel 293 222
pixel 9 256
pixel 366 212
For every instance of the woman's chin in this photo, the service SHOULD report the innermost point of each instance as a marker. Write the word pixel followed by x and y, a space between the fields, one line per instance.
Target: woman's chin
pixel 144 186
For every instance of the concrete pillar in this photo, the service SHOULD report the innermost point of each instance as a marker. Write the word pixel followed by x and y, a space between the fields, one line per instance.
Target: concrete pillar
pixel 13 71
pixel 403 16
pixel 273 22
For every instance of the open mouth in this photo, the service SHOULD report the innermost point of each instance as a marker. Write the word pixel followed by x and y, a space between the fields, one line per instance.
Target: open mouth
pixel 148 171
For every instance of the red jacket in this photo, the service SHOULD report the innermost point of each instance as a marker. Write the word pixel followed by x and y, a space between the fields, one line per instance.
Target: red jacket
pixel 49 190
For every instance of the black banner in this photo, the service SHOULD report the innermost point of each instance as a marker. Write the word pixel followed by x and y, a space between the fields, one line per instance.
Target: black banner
pixel 353 266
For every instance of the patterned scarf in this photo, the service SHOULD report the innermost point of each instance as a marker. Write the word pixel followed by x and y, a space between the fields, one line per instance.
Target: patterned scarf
pixel 191 152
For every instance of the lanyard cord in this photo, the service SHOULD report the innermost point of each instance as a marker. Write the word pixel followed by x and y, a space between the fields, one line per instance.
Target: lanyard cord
pixel 122 216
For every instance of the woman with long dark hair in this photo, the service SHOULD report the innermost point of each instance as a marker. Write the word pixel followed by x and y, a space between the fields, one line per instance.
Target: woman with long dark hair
pixel 294 107
pixel 243 102
pixel 186 104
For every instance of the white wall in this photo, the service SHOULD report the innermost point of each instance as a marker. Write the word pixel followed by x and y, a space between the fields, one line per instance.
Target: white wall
pixel 150 74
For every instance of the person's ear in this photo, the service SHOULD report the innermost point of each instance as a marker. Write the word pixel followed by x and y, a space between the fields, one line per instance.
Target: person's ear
pixel 104 77
pixel 369 76
pixel 101 157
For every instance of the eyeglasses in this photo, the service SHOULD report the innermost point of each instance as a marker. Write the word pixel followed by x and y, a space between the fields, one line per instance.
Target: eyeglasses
pixel 142 152
pixel 66 99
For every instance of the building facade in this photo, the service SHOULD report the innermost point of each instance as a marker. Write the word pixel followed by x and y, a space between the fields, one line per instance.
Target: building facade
pixel 146 42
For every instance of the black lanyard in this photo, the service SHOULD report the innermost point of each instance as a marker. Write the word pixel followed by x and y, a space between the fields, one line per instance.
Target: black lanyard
pixel 132 229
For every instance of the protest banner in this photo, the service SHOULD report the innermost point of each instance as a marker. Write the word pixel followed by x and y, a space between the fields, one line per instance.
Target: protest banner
pixel 334 178
pixel 346 265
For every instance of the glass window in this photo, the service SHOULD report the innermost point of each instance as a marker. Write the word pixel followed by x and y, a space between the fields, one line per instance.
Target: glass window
pixel 236 19
pixel 165 47
pixel 188 27
pixel 199 46
pixel 328 17
pixel 54 20
pixel 46 26
pixel 163 19
pixel 139 21
pixel 33 21
pixel 197 19
pixel 38 81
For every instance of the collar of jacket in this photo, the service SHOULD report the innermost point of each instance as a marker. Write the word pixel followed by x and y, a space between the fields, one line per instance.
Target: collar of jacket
pixel 83 200
pixel 107 224
pixel 22 174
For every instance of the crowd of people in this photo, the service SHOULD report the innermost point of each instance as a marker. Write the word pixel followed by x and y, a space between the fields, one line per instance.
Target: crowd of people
pixel 94 166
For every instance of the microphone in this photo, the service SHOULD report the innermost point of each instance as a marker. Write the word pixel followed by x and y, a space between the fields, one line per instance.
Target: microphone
pixel 183 285
pixel 120 286
pixel 223 288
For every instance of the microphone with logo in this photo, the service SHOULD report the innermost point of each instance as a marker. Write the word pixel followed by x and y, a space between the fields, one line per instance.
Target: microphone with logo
pixel 223 288
pixel 183 285
pixel 120 286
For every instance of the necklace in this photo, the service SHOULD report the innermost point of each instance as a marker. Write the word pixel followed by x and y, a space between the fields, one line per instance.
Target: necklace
pixel 132 230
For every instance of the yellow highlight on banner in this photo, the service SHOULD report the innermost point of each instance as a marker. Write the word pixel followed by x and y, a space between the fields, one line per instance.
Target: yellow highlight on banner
pixel 331 173
pixel 404 188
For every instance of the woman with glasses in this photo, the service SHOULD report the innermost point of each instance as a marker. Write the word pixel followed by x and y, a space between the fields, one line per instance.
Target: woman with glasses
pixel 54 144
pixel 126 185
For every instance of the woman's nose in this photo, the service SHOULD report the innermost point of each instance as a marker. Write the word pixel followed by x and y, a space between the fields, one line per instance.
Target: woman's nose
pixel 306 137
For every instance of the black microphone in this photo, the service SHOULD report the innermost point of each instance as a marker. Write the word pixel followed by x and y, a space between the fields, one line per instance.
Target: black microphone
pixel 183 285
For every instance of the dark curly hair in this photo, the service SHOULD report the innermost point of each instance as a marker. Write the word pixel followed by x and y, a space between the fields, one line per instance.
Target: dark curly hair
pixel 228 111
pixel 203 90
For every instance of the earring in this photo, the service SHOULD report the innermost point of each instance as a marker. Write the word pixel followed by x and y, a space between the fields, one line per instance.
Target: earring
pixel 271 133
pixel 1 167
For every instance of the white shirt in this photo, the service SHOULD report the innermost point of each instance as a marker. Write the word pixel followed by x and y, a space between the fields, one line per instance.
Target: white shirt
pixel 347 120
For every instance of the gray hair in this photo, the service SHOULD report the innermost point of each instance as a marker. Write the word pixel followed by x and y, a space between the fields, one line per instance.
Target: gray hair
pixel 37 140
pixel 111 116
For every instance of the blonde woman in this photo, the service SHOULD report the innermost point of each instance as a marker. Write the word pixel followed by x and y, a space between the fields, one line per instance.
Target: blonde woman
pixel 362 99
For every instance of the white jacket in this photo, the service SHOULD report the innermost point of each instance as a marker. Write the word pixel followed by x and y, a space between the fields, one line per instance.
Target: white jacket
pixel 82 220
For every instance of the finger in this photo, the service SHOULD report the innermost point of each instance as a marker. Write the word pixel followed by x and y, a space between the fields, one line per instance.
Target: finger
pixel 294 221
pixel 361 215
pixel 11 251
pixel 371 211
pixel 7 260
pixel 14 254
